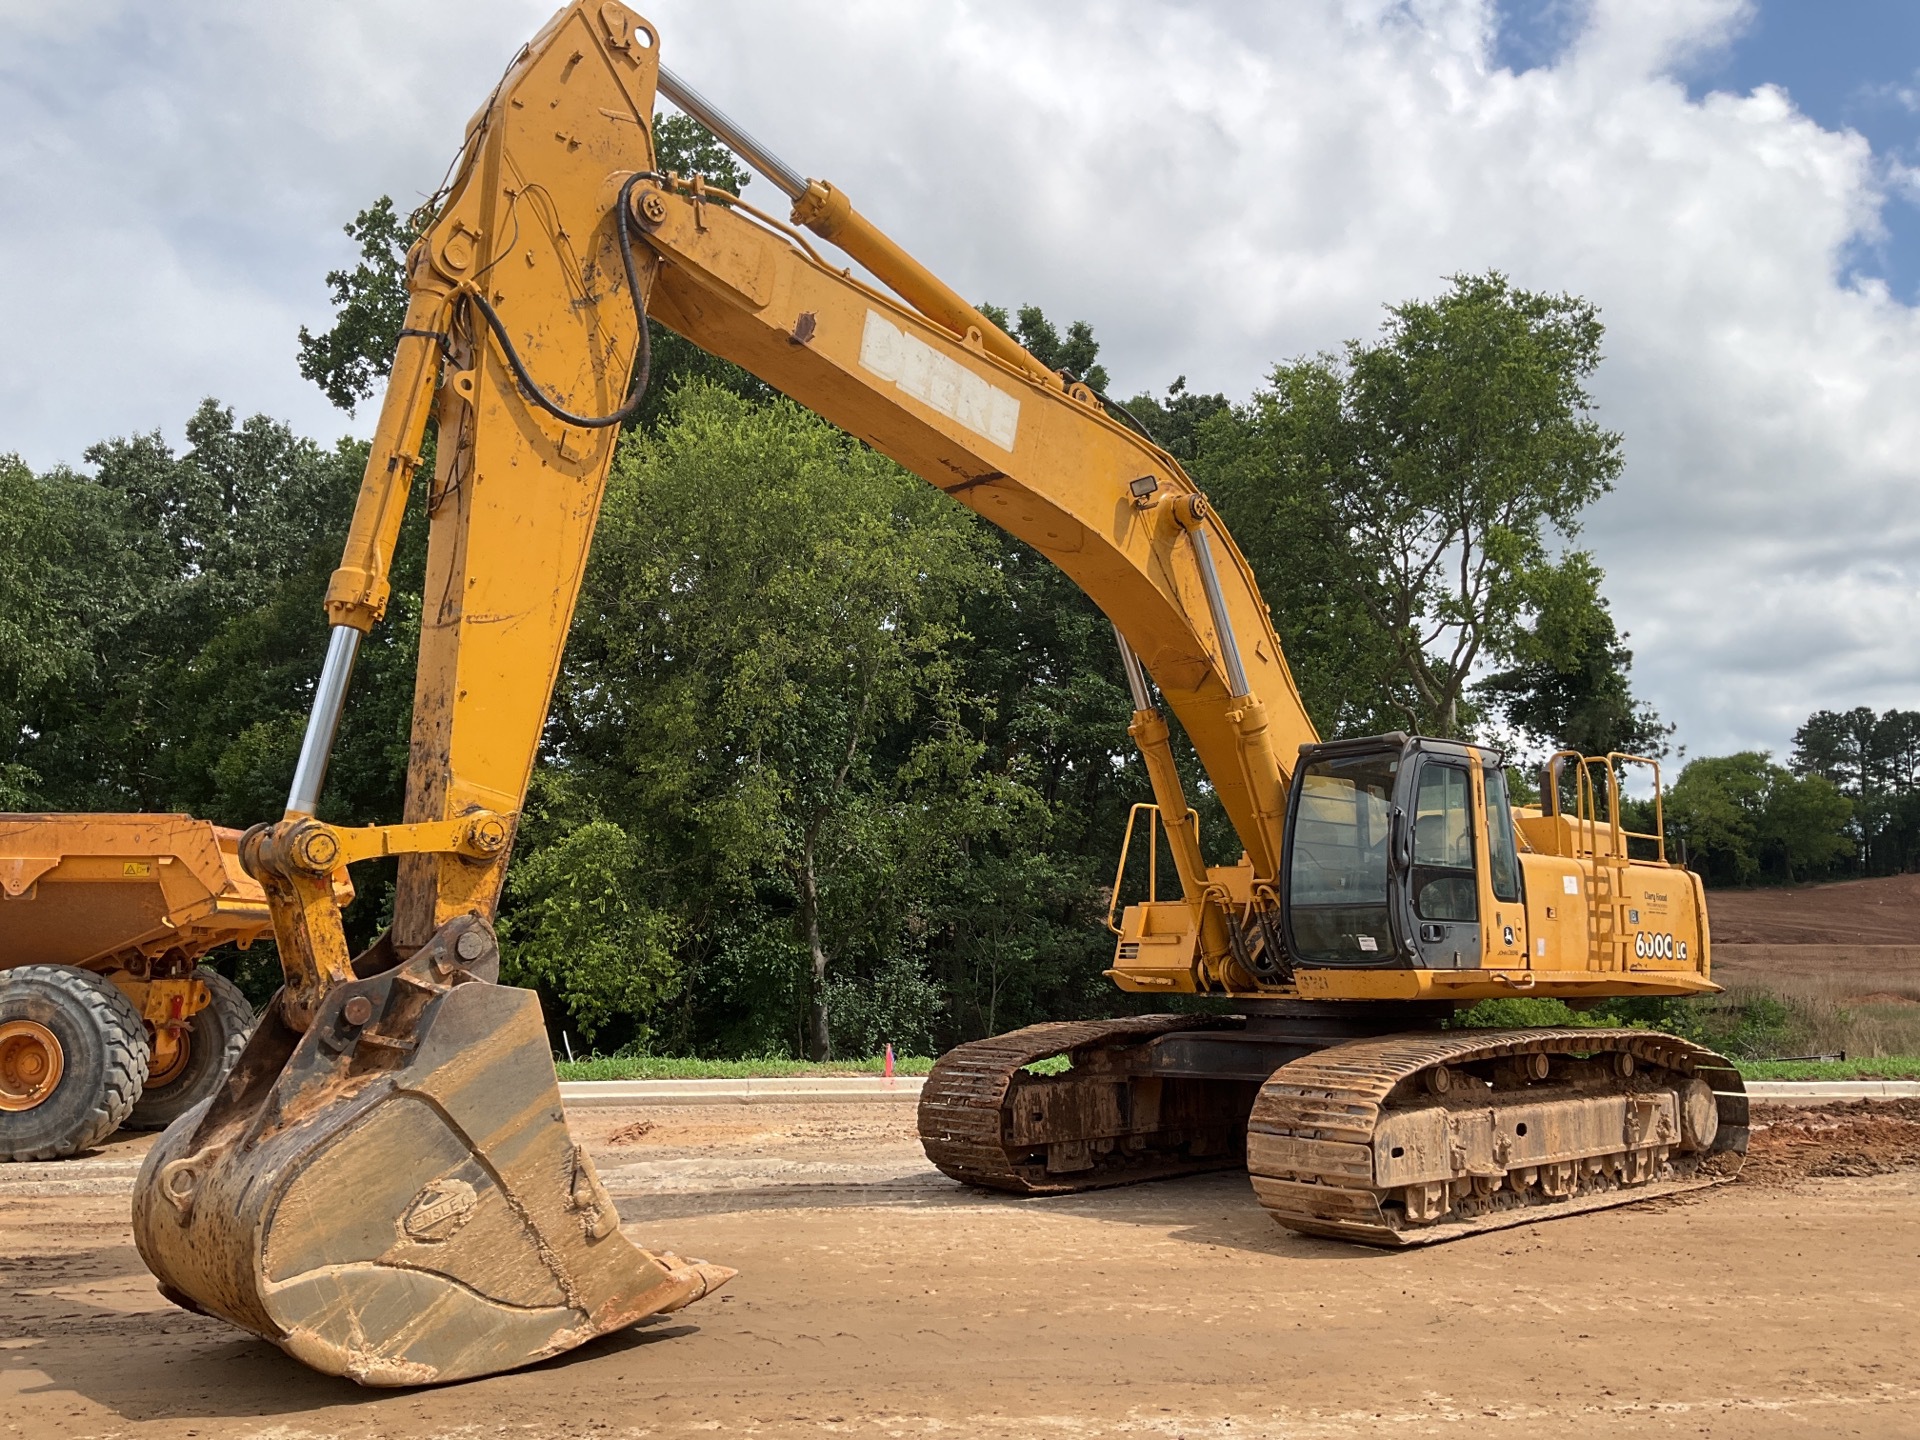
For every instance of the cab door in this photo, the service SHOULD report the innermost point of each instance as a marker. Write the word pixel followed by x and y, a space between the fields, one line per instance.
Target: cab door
pixel 1444 890
pixel 1502 894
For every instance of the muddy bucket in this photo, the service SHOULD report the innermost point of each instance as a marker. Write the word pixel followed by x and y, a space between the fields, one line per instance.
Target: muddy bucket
pixel 394 1195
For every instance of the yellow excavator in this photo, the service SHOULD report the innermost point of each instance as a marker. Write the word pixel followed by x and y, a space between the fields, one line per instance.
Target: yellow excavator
pixel 386 1187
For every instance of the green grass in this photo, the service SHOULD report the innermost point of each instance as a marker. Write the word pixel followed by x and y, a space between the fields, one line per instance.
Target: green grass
pixel 661 1067
pixel 1876 1067
pixel 666 1067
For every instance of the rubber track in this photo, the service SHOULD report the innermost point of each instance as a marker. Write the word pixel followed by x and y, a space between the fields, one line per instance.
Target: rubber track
pixel 962 1115
pixel 1338 1094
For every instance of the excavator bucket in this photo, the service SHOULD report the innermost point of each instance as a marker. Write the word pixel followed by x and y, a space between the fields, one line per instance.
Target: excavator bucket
pixel 393 1195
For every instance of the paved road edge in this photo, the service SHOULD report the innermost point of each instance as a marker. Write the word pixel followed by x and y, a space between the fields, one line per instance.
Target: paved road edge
pixel 797 1090
pixel 1810 1092
pixel 814 1090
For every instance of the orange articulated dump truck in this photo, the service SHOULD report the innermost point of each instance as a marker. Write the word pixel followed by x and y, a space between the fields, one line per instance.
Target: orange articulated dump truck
pixel 107 1017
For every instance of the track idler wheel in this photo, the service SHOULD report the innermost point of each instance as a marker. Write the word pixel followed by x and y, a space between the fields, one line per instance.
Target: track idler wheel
pixel 394 1195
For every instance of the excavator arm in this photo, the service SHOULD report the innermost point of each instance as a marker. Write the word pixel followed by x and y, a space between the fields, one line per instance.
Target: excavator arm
pixel 387 1188
pixel 523 306
pixel 929 381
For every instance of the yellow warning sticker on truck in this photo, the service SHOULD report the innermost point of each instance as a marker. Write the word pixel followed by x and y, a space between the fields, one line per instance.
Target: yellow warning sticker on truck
pixel 136 868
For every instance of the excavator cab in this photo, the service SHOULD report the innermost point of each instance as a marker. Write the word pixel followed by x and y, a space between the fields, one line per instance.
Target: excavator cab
pixel 1392 843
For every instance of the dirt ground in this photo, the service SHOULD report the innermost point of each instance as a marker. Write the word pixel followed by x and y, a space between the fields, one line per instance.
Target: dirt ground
pixel 878 1299
pixel 1851 912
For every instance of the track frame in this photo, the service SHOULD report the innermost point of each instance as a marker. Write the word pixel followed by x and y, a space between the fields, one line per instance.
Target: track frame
pixel 1395 1139
pixel 1321 1133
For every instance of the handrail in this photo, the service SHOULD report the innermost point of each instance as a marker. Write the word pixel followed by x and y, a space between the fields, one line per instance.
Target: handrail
pixel 1153 857
pixel 1615 759
pixel 1586 818
pixel 1126 846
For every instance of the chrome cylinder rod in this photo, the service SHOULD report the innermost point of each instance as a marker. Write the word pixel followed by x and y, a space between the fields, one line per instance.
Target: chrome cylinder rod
pixel 1136 676
pixel 693 103
pixel 1216 602
pixel 323 721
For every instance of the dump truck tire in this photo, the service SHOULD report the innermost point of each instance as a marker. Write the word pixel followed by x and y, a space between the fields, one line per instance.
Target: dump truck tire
pixel 216 1036
pixel 73 1058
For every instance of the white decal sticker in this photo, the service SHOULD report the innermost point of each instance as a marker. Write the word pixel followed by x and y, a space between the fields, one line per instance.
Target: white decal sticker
pixel 1656 947
pixel 1570 884
pixel 1540 946
pixel 1367 942
pixel 942 384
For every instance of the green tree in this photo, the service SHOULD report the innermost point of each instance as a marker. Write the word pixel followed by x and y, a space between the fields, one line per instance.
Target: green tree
pixel 1075 352
pixel 1897 750
pixel 1434 473
pixel 1568 684
pixel 763 677
pixel 684 146
pixel 47 611
pixel 209 541
pixel 1874 760
pixel 350 359
pixel 1016 932
pixel 1175 419
pixel 1743 818
pixel 1715 808
pixel 579 926
pixel 1805 825
pixel 1272 470
pixel 188 585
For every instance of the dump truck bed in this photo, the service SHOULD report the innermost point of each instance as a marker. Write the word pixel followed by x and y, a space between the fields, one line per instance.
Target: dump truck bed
pixel 97 890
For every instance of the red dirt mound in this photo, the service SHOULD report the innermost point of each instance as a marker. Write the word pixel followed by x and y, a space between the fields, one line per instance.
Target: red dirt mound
pixel 1862 1137
pixel 1849 912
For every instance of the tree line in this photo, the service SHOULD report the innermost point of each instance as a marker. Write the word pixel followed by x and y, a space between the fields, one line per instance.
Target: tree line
pixel 1846 803
pixel 833 763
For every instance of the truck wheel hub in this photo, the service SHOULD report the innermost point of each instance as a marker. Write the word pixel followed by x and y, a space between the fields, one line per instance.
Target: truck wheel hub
pixel 31 1062
pixel 172 1048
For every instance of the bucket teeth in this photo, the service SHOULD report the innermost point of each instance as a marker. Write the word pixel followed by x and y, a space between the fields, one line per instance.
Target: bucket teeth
pixel 699 1279
pixel 400 1201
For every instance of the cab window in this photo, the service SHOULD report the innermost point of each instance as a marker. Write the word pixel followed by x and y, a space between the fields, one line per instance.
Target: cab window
pixel 1342 823
pixel 1502 859
pixel 1443 879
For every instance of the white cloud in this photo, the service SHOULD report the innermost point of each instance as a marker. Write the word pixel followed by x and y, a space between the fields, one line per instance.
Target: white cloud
pixel 1214 186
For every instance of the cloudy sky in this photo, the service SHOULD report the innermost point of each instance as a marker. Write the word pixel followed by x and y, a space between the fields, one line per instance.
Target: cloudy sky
pixel 1214 186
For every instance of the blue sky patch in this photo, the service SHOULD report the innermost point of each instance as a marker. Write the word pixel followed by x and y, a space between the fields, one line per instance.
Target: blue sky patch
pixel 1847 64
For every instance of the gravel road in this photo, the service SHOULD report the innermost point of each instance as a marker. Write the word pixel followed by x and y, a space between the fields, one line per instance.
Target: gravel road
pixel 877 1299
